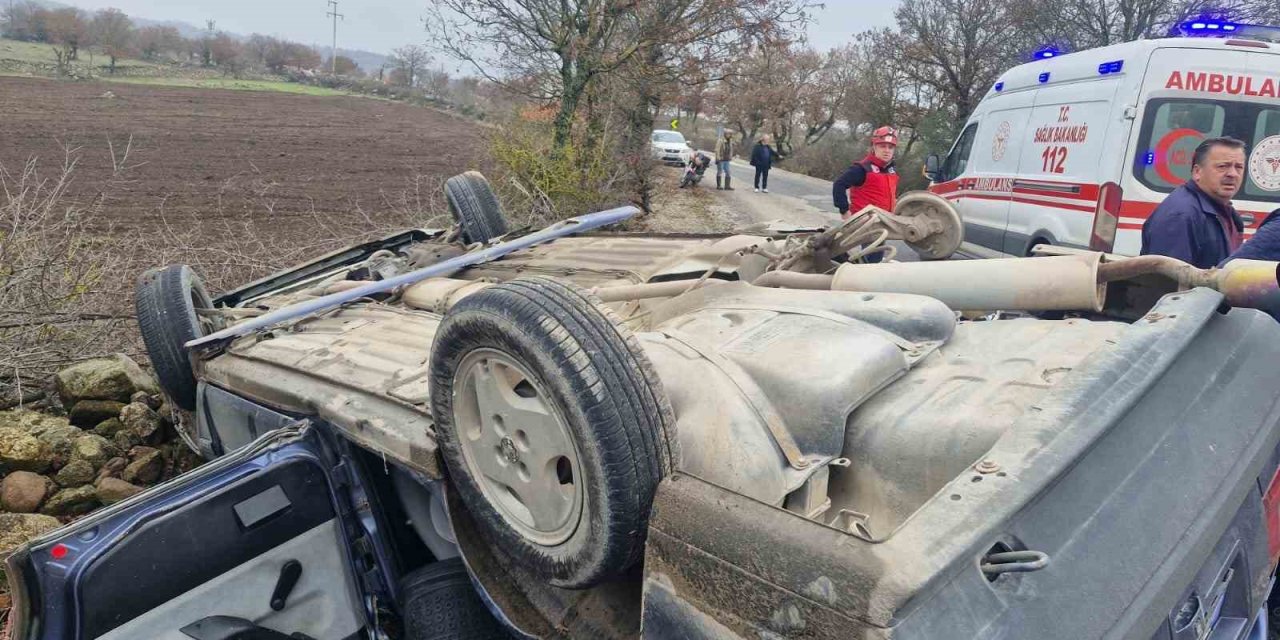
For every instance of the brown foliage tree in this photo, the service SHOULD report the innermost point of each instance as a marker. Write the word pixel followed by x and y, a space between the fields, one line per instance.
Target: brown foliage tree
pixel 67 30
pixel 155 41
pixel 113 31
pixel 343 66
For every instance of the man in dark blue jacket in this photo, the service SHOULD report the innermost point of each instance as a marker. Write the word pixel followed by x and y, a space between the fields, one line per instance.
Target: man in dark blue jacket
pixel 1196 223
pixel 1265 244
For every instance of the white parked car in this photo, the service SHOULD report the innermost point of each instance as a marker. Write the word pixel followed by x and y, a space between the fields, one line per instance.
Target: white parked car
pixel 670 147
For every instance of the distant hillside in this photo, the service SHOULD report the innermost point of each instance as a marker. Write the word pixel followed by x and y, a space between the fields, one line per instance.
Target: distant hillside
pixel 368 61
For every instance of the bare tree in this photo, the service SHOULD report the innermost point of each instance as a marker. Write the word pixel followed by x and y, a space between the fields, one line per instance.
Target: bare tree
pixel 958 47
pixel 1085 24
pixel 227 54
pixel 113 31
pixel 67 30
pixel 410 60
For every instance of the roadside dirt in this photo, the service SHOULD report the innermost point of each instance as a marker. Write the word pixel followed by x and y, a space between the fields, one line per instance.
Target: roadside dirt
pixel 698 209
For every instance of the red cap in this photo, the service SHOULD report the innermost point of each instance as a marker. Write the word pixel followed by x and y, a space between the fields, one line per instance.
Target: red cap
pixel 887 135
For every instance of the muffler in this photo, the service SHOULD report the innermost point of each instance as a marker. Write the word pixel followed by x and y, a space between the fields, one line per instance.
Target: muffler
pixel 1057 283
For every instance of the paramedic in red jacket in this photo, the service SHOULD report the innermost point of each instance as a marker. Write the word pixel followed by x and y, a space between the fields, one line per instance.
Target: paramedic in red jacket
pixel 872 180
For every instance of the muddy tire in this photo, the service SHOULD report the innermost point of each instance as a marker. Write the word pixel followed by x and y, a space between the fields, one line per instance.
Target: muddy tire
pixel 554 427
pixel 165 300
pixel 475 207
pixel 439 603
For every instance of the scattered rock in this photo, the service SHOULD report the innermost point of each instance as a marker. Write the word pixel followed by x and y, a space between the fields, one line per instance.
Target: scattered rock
pixel 23 491
pixel 32 422
pixel 166 412
pixel 59 439
pixel 140 419
pixel 18 528
pixel 112 378
pixel 181 459
pixel 151 400
pixel 113 490
pixel 108 96
pixel 72 502
pixel 112 468
pixel 76 473
pixel 109 427
pixel 87 413
pixel 126 439
pixel 146 467
pixel 21 451
pixel 93 449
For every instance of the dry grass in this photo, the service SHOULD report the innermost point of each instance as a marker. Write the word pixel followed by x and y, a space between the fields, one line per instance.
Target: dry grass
pixel 67 277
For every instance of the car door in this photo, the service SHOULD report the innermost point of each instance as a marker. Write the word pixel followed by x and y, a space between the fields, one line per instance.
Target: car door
pixel 252 545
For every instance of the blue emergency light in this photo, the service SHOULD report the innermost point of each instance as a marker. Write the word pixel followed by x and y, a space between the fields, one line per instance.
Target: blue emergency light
pixel 1111 67
pixel 1150 158
pixel 1044 77
pixel 1046 53
pixel 1208 27
pixel 999 86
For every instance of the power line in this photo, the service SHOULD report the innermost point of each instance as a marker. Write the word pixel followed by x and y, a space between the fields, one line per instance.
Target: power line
pixel 333 50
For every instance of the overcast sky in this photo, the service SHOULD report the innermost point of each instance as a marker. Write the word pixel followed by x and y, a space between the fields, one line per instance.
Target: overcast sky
pixel 382 25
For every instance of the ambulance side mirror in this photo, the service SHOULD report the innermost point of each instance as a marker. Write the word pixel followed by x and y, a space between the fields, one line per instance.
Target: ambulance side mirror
pixel 932 167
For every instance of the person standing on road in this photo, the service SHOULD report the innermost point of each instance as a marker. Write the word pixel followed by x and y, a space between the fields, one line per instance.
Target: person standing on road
pixel 1196 223
pixel 724 155
pixel 872 180
pixel 762 157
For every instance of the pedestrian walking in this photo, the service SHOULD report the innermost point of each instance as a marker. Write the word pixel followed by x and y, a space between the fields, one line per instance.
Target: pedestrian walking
pixel 724 155
pixel 763 156
pixel 1196 222
pixel 871 180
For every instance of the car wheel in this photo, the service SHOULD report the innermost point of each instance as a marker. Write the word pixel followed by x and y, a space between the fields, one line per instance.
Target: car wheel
pixel 553 425
pixel 475 207
pixel 942 214
pixel 166 300
pixel 439 603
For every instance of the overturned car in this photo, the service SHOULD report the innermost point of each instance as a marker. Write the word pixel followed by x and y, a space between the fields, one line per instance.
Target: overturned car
pixel 567 433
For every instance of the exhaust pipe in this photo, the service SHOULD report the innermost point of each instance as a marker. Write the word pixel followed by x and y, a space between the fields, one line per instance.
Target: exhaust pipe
pixel 1057 283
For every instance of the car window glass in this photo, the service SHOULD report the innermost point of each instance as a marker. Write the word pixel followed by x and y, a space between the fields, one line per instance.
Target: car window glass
pixel 668 137
pixel 1263 174
pixel 1172 128
pixel 1177 128
pixel 958 159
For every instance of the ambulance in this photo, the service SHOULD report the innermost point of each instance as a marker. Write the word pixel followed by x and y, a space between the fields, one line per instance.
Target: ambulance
pixel 1077 150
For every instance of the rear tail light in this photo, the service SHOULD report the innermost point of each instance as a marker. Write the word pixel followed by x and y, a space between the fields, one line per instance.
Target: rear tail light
pixel 1106 218
pixel 1271 512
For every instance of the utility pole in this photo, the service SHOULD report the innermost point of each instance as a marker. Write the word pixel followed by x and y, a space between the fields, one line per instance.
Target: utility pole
pixel 333 50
